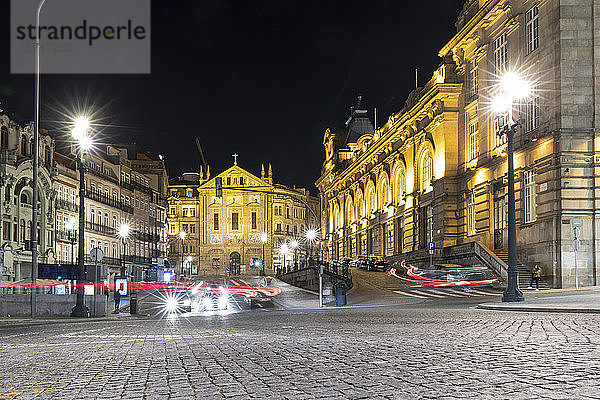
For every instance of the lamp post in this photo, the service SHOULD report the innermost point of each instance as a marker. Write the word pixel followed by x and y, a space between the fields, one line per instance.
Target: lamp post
pixel 123 233
pixel 71 229
pixel 264 238
pixel 294 245
pixel 189 261
pixel 182 236
pixel 84 141
pixel 512 88
pixel 283 250
pixel 311 234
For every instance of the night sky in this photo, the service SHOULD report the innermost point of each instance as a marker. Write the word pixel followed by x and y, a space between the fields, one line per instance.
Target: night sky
pixel 259 78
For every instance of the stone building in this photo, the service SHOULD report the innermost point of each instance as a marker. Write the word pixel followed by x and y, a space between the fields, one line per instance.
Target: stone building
pixel 123 185
pixel 226 231
pixel 436 171
pixel 16 149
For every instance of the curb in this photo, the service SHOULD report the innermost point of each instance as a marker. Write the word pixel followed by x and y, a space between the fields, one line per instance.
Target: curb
pixel 540 309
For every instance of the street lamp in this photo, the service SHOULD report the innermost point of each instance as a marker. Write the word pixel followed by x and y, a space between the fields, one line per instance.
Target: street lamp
pixel 294 245
pixel 71 224
pixel 189 261
pixel 311 234
pixel 80 134
pixel 512 88
pixel 182 236
pixel 264 238
pixel 123 233
pixel 283 249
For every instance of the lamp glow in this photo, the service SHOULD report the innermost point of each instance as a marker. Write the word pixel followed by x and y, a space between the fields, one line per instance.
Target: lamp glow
pixel 311 234
pixel 284 249
pixel 513 85
pixel 124 231
pixel 294 244
pixel 182 235
pixel 501 104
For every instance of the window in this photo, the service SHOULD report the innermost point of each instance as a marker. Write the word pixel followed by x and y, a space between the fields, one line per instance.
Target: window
pixel 471 213
pixel 473 125
pixel 254 225
pixel 531 111
pixel 228 181
pixel 23 145
pixel 500 121
pixel 473 79
pixel 24 198
pixel 184 227
pixel 295 230
pixel 529 195
pixel 215 221
pixel 6 230
pixel 427 173
pixel 532 33
pixel 500 54
pixel 189 211
pixel 278 228
pixel 192 228
pixel 287 212
pixel 114 250
pixel 22 230
pixel 241 181
pixel 4 140
pixel 172 210
pixel 92 215
pixel 189 193
pixel 234 221
pixel 106 219
pixel 172 229
pixel 114 221
pixel 287 229
pixel 402 187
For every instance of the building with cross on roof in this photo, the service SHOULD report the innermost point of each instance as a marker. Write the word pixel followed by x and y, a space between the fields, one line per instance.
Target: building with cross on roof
pixel 228 231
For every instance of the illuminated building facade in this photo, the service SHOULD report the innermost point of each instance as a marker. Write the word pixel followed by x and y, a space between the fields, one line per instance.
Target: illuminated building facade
pixel 436 171
pixel 227 231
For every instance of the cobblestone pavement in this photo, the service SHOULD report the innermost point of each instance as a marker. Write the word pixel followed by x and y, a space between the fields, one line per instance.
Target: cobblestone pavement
pixel 400 352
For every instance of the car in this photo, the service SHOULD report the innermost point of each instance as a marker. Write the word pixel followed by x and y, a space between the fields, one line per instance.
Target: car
pixel 374 263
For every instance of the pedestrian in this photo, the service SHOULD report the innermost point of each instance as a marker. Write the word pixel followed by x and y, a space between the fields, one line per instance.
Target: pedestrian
pixel 117 298
pixel 536 275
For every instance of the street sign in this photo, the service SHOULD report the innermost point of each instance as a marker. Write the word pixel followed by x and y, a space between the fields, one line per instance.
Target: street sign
pixel 96 254
pixel 431 246
pixel 121 286
pixel 576 232
pixel 576 222
pixel 576 244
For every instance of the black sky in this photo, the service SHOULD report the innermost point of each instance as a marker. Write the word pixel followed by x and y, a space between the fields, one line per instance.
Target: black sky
pixel 260 78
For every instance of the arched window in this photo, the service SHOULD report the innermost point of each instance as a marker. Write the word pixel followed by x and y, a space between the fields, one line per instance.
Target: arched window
pixel 25 198
pixel 427 172
pixel 28 237
pixel 22 230
pixel 401 187
pixel 23 145
pixel 47 156
pixel 31 147
pixel 4 142
pixel 359 203
pixel 92 215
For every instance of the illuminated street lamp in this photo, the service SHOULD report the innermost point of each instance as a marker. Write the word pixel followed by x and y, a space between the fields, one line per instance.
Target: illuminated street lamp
pixel 512 88
pixel 294 245
pixel 264 238
pixel 71 225
pixel 311 235
pixel 283 249
pixel 80 134
pixel 123 233
pixel 182 235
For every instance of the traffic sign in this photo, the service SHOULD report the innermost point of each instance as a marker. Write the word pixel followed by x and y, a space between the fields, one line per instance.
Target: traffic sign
pixel 576 244
pixel 431 246
pixel 576 232
pixel 96 254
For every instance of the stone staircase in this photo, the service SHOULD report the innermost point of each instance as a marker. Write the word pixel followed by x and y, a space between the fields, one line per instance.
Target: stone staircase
pixel 524 272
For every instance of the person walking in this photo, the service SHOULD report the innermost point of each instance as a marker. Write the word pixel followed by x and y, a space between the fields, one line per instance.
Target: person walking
pixel 117 298
pixel 536 275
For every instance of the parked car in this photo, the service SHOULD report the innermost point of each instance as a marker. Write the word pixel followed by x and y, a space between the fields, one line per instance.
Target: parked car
pixel 375 263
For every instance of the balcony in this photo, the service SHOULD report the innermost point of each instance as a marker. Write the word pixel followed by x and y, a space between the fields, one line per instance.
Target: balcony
pixel 66 205
pixel 65 235
pixel 146 237
pixel 138 259
pixel 108 201
pixel 99 228
pixel 142 188
pixel 127 186
pixel 105 261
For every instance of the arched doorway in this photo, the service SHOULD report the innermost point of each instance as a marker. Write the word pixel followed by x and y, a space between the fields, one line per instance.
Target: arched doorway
pixel 234 263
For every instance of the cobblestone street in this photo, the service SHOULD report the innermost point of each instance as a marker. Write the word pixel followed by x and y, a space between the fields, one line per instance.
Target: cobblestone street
pixel 366 353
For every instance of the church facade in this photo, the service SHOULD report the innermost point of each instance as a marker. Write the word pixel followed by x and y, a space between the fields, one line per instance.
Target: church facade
pixel 245 223
pixel 435 174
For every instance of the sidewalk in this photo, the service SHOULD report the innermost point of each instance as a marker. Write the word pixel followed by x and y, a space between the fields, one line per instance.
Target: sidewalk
pixel 555 300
